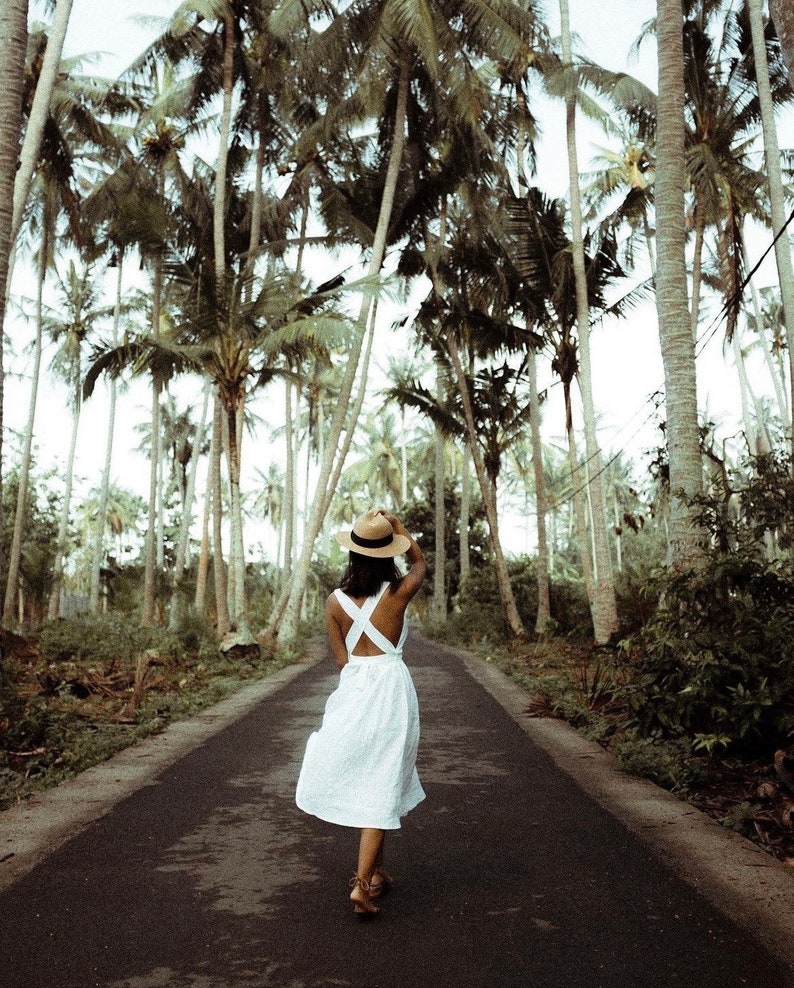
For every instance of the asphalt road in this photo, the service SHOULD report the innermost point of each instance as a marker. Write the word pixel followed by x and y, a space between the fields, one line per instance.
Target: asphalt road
pixel 507 876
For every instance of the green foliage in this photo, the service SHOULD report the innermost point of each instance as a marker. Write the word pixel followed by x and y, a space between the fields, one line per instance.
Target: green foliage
pixel 716 663
pixel 667 763
pixel 101 639
pixel 419 518
pixel 478 617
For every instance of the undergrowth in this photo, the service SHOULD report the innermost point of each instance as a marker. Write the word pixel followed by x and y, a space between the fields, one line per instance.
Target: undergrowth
pixel 89 688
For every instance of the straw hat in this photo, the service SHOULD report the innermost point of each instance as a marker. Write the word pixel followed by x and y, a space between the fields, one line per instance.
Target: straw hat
pixel 372 535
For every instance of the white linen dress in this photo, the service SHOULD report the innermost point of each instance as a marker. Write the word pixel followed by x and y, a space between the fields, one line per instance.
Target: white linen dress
pixel 359 769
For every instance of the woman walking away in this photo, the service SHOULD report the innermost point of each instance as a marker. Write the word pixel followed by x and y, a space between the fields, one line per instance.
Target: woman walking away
pixel 359 769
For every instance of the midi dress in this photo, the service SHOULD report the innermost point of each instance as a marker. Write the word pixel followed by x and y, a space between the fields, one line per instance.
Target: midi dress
pixel 359 768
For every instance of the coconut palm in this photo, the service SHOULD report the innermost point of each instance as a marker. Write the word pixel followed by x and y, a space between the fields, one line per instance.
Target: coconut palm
pixel 408 39
pixel 604 607
pixel 40 110
pixel 785 268
pixel 13 30
pixel 675 331
pixel 222 335
pixel 69 327
pixel 782 14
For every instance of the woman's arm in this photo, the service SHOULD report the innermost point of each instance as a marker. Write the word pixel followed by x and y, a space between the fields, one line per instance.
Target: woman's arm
pixel 336 638
pixel 415 576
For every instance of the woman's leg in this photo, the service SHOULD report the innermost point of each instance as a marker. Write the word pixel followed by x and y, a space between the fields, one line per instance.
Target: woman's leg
pixel 370 851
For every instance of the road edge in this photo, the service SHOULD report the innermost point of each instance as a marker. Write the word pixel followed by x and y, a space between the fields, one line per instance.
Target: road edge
pixel 32 830
pixel 755 890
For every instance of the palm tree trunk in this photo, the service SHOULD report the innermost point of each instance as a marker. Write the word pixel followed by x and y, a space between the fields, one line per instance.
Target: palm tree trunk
pixel 239 603
pixel 785 267
pixel 604 606
pixel 218 565
pixel 291 484
pixel 439 604
pixel 177 595
pixel 675 330
pixel 488 492
pixel 284 618
pixel 150 548
pixel 14 32
pixel 54 608
pixel 97 550
pixel 778 382
pixel 579 514
pixel 543 582
pixel 39 111
pixel 782 13
pixel 15 555
pixel 465 514
pixel 697 271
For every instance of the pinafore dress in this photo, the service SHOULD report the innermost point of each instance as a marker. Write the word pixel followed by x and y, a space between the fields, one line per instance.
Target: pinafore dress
pixel 359 769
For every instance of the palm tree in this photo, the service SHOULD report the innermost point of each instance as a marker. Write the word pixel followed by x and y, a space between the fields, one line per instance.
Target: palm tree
pixel 675 331
pixel 14 32
pixel 69 326
pixel 40 109
pixel 783 16
pixel 410 40
pixel 604 607
pixel 785 268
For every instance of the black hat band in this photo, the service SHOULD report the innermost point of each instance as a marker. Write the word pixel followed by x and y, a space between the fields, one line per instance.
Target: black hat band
pixel 372 543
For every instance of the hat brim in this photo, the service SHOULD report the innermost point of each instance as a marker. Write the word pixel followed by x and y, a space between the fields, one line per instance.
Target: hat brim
pixel 398 545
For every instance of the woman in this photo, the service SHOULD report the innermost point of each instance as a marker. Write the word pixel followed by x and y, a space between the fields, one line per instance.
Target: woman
pixel 359 769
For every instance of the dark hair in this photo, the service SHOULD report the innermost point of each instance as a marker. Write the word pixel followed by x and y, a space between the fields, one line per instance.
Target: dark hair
pixel 365 575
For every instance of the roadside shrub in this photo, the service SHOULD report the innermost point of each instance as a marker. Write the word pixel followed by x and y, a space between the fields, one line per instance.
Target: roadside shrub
pixel 105 638
pixel 667 763
pixel 716 663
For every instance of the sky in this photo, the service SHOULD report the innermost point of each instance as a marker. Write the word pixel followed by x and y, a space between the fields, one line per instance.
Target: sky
pixel 627 367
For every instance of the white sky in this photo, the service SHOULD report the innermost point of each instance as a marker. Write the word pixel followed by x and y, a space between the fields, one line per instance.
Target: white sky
pixel 626 360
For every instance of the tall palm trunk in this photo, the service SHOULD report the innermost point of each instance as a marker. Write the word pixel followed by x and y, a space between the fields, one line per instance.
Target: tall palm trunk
pixel 234 404
pixel 578 480
pixel 285 613
pixel 15 555
pixel 675 331
pixel 543 582
pixel 785 267
pixel 39 111
pixel 202 570
pixel 782 13
pixel 14 32
pixel 98 542
pixel 439 604
pixel 218 564
pixel 54 607
pixel 488 492
pixel 465 515
pixel 778 380
pixel 178 595
pixel 150 547
pixel 604 607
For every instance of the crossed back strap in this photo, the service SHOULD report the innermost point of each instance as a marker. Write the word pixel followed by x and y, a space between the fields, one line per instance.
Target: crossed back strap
pixel 361 621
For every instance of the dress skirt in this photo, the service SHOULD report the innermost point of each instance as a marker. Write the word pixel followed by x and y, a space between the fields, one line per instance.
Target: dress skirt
pixel 359 769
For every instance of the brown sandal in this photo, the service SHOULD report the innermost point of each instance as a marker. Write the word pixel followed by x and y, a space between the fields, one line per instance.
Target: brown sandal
pixel 361 899
pixel 384 884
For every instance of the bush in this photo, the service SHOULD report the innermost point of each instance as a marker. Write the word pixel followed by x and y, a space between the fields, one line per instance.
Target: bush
pixel 667 763
pixel 716 663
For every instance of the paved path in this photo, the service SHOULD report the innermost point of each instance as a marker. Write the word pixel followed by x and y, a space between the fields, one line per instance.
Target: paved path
pixel 508 874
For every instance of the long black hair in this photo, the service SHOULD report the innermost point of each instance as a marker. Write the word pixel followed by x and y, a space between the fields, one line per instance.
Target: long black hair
pixel 365 575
